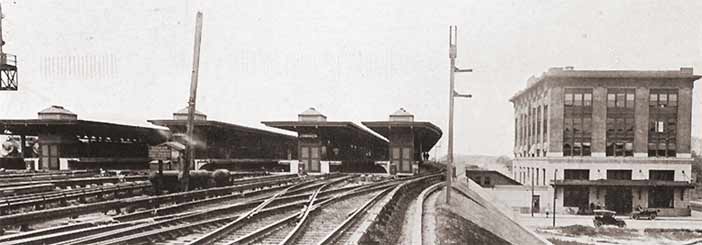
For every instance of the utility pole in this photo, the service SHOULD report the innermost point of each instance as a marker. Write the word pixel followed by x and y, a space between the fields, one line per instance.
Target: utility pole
pixel 2 41
pixel 190 155
pixel 453 40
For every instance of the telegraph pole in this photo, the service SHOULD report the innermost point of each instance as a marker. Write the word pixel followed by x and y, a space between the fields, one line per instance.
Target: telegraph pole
pixel 453 40
pixel 2 41
pixel 190 155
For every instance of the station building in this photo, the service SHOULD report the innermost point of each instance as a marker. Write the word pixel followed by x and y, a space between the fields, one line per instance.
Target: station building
pixel 333 146
pixel 409 141
pixel 230 146
pixel 605 138
pixel 58 140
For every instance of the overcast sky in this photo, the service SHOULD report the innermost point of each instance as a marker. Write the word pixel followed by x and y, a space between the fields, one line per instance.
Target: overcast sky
pixel 129 61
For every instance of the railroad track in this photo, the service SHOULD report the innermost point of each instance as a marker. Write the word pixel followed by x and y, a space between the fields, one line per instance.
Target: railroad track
pixel 195 225
pixel 261 218
pixel 240 198
pixel 204 196
pixel 423 218
pixel 327 220
pixel 180 220
pixel 63 196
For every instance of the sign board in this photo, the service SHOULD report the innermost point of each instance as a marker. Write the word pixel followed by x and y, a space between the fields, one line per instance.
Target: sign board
pixel 308 136
pixel 159 152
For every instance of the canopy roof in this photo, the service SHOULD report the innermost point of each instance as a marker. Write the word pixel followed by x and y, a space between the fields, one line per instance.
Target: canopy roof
pixel 80 127
pixel 426 134
pixel 218 127
pixel 328 127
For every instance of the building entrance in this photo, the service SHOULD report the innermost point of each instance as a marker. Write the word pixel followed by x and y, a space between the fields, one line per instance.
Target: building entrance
pixel 619 199
pixel 310 157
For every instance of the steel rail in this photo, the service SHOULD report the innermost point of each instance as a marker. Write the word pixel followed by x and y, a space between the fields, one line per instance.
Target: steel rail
pixel 221 231
pixel 419 237
pixel 43 215
pixel 262 232
pixel 336 233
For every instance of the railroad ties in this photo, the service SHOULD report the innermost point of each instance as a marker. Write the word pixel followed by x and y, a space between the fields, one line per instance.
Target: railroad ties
pixel 278 209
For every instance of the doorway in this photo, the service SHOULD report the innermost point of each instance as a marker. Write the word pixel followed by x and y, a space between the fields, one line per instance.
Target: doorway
pixel 310 157
pixel 619 199
pixel 402 158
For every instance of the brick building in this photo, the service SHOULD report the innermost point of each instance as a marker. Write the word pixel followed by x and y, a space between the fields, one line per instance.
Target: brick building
pixel 617 139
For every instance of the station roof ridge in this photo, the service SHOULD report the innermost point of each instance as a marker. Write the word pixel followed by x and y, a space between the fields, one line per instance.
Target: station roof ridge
pixel 57 109
pixel 185 111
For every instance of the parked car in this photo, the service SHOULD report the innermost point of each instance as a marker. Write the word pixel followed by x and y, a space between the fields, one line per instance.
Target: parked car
pixel 606 217
pixel 645 213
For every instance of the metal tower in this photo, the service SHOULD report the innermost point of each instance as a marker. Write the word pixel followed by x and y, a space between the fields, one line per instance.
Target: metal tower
pixel 8 65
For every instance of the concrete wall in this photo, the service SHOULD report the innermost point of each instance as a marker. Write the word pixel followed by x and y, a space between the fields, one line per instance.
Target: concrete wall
pixel 684 122
pixel 555 122
pixel 518 198
pixel 641 122
pixel 599 121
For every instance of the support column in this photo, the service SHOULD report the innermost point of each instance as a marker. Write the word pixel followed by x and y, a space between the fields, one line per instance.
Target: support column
pixel 684 122
pixel 599 121
pixel 555 121
pixel 641 122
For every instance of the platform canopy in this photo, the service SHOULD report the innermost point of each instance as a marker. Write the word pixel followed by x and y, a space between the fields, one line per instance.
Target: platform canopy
pixel 179 126
pixel 81 128
pixel 426 134
pixel 335 128
pixel 624 183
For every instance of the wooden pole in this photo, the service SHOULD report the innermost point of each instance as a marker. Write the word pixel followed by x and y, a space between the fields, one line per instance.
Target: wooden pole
pixel 2 42
pixel 190 156
pixel 449 156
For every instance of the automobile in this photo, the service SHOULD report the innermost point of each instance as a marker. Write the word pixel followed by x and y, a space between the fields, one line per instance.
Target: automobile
pixel 645 213
pixel 606 217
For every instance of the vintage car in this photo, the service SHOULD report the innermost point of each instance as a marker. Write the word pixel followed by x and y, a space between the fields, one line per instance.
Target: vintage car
pixel 645 213
pixel 606 217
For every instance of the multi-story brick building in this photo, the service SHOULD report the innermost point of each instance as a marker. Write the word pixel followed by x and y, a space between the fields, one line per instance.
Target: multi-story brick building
pixel 617 139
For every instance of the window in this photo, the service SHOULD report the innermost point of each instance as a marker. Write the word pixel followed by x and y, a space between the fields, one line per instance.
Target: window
pixel 661 175
pixel 620 122
pixel 663 115
pixel 576 174
pixel 619 174
pixel 486 181
pixel 577 122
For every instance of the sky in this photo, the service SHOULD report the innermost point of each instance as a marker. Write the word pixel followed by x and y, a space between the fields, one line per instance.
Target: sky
pixel 129 61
